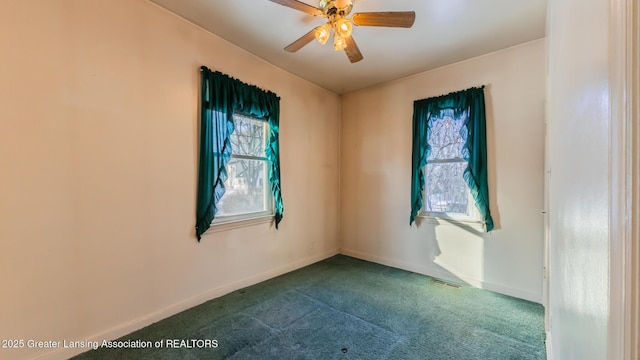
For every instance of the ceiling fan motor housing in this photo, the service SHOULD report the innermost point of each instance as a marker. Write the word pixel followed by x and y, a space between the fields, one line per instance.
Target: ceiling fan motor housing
pixel 336 7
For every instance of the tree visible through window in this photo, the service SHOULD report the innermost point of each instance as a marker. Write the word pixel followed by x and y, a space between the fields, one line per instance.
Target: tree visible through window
pixel 246 186
pixel 445 188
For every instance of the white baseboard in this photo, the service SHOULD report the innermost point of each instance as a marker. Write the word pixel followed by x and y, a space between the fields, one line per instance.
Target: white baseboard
pixel 421 269
pixel 139 323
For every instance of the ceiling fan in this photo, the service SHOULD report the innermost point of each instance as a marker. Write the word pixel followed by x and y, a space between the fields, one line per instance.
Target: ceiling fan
pixel 336 12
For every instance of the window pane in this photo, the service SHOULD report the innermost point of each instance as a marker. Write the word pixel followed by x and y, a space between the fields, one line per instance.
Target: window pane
pixel 445 139
pixel 245 188
pixel 249 136
pixel 445 188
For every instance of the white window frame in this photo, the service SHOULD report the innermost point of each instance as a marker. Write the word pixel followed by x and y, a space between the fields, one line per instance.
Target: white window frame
pixel 472 217
pixel 226 222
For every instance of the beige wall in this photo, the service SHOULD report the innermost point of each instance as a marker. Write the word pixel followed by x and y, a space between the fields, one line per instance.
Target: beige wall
pixel 98 171
pixel 376 166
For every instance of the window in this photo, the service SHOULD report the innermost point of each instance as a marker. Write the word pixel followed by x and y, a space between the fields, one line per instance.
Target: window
pixel 446 193
pixel 449 158
pixel 239 167
pixel 247 193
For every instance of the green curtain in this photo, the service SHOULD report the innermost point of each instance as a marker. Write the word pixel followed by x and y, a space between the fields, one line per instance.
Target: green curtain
pixel 221 96
pixel 471 103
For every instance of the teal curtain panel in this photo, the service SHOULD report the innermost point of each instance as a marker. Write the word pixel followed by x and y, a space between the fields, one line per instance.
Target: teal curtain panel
pixel 221 96
pixel 456 104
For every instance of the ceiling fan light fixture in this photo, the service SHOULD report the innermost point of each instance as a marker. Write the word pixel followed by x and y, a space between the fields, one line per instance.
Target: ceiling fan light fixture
pixel 339 43
pixel 323 33
pixel 340 24
pixel 344 27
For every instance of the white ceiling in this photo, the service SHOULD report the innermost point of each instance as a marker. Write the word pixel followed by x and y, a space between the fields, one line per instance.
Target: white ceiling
pixel 445 32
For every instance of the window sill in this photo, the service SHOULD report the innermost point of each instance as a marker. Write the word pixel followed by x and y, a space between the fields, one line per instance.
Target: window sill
pixel 443 219
pixel 218 226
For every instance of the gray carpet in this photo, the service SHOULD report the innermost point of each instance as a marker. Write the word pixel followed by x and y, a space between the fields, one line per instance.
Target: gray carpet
pixel 344 308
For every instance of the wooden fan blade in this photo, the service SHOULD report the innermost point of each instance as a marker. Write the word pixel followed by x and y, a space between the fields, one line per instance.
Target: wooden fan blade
pixel 352 50
pixel 302 41
pixel 390 19
pixel 300 6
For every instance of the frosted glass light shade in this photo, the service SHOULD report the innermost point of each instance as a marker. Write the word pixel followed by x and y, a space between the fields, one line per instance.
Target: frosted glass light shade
pixel 339 43
pixel 344 27
pixel 323 33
